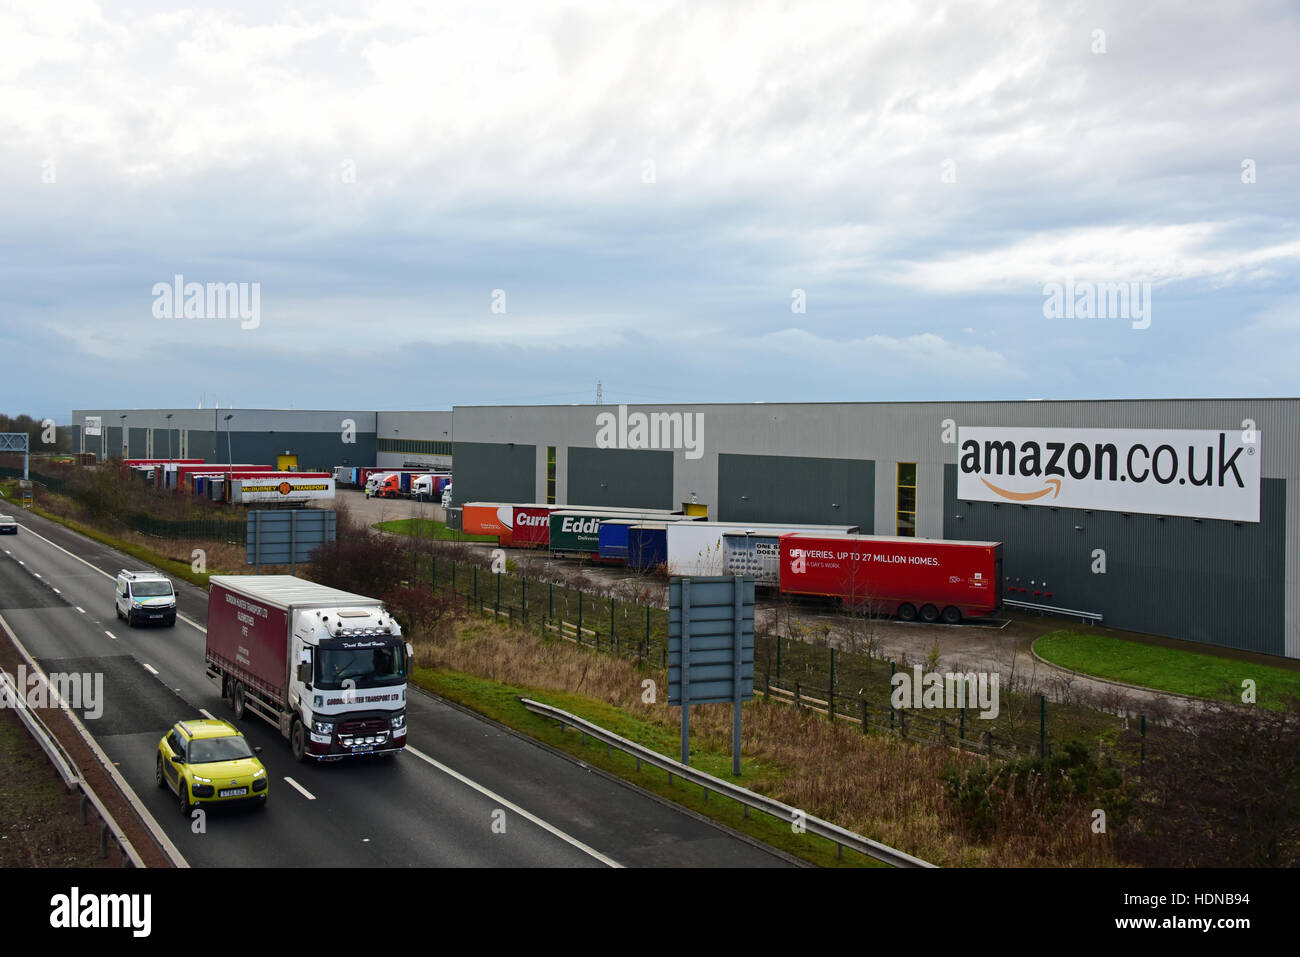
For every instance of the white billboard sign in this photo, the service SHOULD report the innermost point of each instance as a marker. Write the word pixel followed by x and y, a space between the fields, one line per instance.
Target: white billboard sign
pixel 1197 473
pixel 94 425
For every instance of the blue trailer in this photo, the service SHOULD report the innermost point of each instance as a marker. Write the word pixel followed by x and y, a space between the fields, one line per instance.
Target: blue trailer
pixel 613 537
pixel 647 545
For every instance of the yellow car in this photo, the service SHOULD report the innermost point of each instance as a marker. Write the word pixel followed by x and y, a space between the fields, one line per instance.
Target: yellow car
pixel 209 762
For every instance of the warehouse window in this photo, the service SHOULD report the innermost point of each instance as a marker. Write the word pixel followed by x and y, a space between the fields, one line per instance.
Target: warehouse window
pixel 550 475
pixel 906 508
pixel 413 446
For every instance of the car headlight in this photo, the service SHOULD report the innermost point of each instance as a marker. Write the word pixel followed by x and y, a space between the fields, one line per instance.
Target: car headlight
pixel 259 772
pixel 203 779
pixel 137 602
pixel 323 727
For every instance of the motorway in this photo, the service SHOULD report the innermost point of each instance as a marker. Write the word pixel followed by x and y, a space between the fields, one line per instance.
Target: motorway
pixel 432 806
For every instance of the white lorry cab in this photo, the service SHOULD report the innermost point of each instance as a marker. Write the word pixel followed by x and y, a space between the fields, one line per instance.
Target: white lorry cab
pixel 145 596
pixel 446 497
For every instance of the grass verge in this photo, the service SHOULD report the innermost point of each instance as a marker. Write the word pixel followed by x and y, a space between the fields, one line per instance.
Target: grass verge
pixel 428 528
pixel 500 702
pixel 1167 669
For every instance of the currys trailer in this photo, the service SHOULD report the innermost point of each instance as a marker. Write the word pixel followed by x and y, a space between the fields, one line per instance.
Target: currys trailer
pixel 909 577
pixel 326 667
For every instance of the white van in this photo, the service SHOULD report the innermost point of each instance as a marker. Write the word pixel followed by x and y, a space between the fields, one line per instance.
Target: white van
pixel 145 596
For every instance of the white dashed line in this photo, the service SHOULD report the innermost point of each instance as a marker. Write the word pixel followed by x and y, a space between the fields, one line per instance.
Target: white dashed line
pixel 300 789
pixel 110 634
pixel 151 669
pixel 551 828
pixel 37 574
pixel 57 592
pixel 80 609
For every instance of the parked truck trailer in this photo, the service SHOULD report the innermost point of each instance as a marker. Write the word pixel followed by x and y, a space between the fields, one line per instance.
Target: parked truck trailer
pixel 924 578
pixel 326 667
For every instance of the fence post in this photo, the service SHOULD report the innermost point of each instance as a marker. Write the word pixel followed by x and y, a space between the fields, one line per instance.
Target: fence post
pixel 453 576
pixel 1142 759
pixel 579 616
pixel 523 606
pixel 962 734
pixel 778 658
pixel 475 581
pixel 433 569
pixel 613 640
pixel 647 629
pixel 830 694
pixel 797 690
pixel 1042 725
pixel 863 702
pixel 891 697
pixel 550 600
pixel 499 591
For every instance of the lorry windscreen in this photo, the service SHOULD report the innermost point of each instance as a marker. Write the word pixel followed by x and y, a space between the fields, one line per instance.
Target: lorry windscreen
pixel 379 666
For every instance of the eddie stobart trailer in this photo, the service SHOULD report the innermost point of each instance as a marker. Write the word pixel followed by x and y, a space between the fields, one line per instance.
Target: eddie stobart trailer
pixel 325 667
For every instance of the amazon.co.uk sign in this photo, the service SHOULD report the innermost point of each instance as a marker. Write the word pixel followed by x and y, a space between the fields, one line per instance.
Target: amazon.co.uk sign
pixel 1198 473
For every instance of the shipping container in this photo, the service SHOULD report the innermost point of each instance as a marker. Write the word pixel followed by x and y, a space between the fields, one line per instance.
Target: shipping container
pixel 697 548
pixel 926 578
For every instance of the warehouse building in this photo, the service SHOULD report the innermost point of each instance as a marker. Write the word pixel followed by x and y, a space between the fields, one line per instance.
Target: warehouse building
pixel 288 438
pixel 1171 517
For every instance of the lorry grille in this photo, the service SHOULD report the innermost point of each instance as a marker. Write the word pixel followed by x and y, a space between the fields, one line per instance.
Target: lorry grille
pixel 368 726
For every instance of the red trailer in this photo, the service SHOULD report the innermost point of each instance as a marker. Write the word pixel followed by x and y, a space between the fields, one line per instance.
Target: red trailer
pixel 909 577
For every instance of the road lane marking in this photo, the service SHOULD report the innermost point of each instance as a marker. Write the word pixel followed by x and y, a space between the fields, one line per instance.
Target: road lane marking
pixel 37 574
pixel 57 592
pixel 80 609
pixel 150 668
pixel 188 621
pixel 300 789
pixel 609 862
pixel 207 714
pixel 110 634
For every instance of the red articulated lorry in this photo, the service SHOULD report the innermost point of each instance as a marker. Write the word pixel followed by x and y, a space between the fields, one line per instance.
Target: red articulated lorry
pixel 326 667
pixel 912 578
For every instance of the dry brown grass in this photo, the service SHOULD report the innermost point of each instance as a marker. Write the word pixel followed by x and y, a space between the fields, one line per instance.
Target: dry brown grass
pixel 877 785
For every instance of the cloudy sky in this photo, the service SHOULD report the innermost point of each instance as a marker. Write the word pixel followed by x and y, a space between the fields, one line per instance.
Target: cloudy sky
pixel 506 203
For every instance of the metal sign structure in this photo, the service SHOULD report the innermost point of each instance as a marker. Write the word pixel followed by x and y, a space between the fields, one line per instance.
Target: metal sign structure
pixel 16 442
pixel 288 536
pixel 711 648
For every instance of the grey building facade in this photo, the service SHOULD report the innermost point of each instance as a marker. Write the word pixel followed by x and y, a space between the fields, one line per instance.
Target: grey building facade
pixel 892 467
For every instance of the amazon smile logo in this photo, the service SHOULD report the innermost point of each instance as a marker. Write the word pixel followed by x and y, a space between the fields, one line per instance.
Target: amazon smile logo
pixel 1053 486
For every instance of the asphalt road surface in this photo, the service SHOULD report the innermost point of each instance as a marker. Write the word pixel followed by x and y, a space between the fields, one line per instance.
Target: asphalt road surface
pixel 434 805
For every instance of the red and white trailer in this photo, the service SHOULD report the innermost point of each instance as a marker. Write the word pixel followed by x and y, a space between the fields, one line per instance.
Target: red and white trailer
pixel 924 578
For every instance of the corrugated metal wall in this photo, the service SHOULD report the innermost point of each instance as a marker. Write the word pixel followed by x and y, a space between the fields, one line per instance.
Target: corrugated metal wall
pixel 491 472
pixel 632 478
pixel 784 488
pixel 1209 581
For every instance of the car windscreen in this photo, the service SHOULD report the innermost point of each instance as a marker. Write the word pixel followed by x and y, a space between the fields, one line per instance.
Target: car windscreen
pixel 152 589
pixel 208 750
pixel 377 666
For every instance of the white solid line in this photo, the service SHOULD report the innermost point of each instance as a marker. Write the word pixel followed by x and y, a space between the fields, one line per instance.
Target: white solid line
pixel 110 634
pixel 516 808
pixel 181 617
pixel 207 714
pixel 300 789
pixel 150 668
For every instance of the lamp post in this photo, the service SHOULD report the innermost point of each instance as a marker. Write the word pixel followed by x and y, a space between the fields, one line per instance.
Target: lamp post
pixel 126 447
pixel 169 436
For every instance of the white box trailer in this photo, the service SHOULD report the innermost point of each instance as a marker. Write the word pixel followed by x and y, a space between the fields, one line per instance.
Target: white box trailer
pixel 702 548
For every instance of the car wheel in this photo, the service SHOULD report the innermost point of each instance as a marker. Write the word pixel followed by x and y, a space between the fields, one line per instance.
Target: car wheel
pixel 298 740
pixel 952 615
pixel 237 702
pixel 130 619
pixel 117 611
pixel 929 614
pixel 907 611
pixel 183 790
pixel 171 622
pixel 158 772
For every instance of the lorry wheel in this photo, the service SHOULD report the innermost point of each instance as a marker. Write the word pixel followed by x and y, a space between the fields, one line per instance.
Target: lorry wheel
pixel 907 611
pixel 298 741
pixel 929 614
pixel 952 615
pixel 237 702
